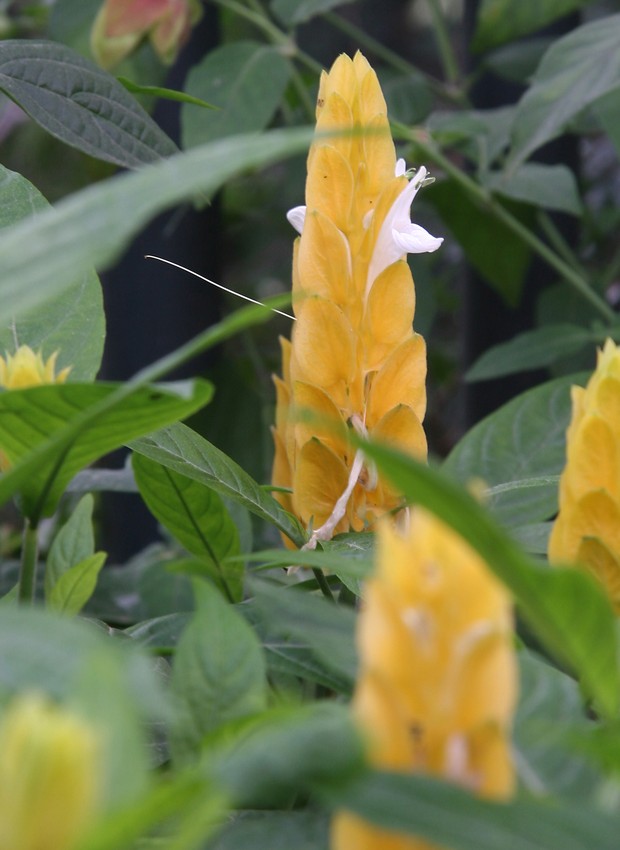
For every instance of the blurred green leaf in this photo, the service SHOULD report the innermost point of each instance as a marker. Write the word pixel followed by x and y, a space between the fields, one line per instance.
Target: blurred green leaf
pixel 75 586
pixel 515 449
pixel 607 110
pixel 409 98
pixel 72 323
pixel 182 450
pixel 552 600
pixel 292 12
pixel 531 350
pixel 160 634
pixel 165 94
pixel 273 830
pixel 41 256
pixel 90 420
pixel 503 20
pixel 79 103
pixel 517 62
pixel 72 543
pixel 197 517
pixel 576 71
pixel 218 674
pixel 245 80
pixel 552 187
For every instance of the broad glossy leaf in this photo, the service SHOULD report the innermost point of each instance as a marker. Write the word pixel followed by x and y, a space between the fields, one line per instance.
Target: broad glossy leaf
pixel 518 451
pixel 79 103
pixel 273 830
pixel 218 675
pixel 576 71
pixel 89 421
pixel 72 543
pixel 42 256
pixel 245 80
pixel 182 450
pixel 451 817
pixel 197 517
pixel 550 186
pixel 74 322
pixel 292 12
pixel 531 350
pixel 503 20
pixel 76 585
pixel 552 600
pixel 161 634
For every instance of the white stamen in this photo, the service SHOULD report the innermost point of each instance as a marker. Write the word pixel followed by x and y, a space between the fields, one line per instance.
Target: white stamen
pixel 326 531
pixel 219 285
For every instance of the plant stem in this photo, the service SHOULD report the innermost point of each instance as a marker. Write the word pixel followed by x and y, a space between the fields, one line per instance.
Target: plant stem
pixel 569 274
pixel 444 45
pixel 28 566
pixel 323 584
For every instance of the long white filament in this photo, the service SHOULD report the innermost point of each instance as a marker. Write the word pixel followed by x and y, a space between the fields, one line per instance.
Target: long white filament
pixel 219 285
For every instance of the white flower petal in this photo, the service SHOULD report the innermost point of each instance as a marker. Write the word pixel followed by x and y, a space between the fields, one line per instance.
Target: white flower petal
pixel 416 240
pixel 401 167
pixel 296 217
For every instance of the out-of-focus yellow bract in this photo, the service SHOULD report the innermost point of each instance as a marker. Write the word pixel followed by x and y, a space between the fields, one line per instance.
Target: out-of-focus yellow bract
pixel 27 368
pixel 49 777
pixel 587 528
pixel 437 683
pixel 354 361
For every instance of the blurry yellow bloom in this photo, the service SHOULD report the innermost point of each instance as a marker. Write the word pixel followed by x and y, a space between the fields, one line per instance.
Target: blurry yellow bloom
pixel 437 682
pixel 26 368
pixel 354 361
pixel 48 776
pixel 587 529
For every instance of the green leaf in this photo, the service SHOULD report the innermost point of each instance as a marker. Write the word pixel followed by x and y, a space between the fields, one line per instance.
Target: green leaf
pixel 503 20
pixel 166 94
pixel 576 71
pixel 74 588
pixel 74 322
pixel 160 634
pixel 79 103
pixel 246 80
pixel 59 429
pixel 517 62
pixel 518 451
pixel 40 257
pixel 292 12
pixel 451 817
pixel 218 674
pixel 550 713
pixel 197 517
pixel 74 542
pixel 182 450
pixel 552 187
pixel 552 600
pixel 272 830
pixel 531 350
pixel 490 246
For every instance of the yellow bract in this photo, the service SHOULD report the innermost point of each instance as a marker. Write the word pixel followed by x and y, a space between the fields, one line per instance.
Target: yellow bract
pixel 587 529
pixel 354 360
pixel 26 368
pixel 49 789
pixel 437 682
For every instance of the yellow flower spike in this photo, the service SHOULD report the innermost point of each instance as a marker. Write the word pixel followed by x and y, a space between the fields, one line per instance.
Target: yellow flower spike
pixel 437 683
pixel 587 528
pixel 353 352
pixel 26 368
pixel 49 784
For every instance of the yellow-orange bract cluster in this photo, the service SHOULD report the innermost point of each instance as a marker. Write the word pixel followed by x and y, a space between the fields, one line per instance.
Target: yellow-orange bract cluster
pixel 26 368
pixel 587 529
pixel 437 682
pixel 353 360
pixel 49 788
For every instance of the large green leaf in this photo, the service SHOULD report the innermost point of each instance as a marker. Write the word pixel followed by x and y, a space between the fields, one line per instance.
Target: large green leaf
pixel 575 72
pixel 40 257
pixel 519 450
pixel 504 20
pixel 89 421
pixel 292 12
pixel 531 350
pixel 74 322
pixel 273 830
pixel 76 586
pixel 246 80
pixel 79 103
pixel 218 674
pixel 453 818
pixel 550 186
pixel 74 542
pixel 182 450
pixel 197 517
pixel 552 600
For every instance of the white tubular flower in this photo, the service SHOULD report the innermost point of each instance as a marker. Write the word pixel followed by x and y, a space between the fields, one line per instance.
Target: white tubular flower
pixel 296 217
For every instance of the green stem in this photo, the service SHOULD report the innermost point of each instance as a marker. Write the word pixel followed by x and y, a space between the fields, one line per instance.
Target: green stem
pixel 446 92
pixel 556 239
pixel 323 584
pixel 28 566
pixel 446 51
pixel 569 274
